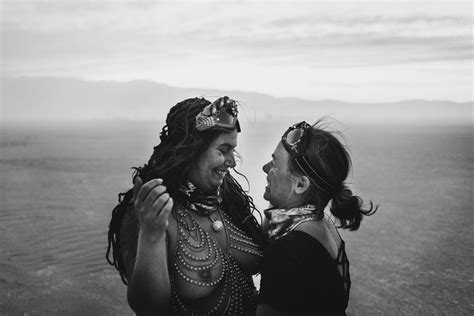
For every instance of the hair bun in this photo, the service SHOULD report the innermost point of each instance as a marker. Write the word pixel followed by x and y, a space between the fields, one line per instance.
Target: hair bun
pixel 345 193
pixel 342 191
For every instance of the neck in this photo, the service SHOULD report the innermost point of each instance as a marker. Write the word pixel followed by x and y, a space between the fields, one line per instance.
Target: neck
pixel 291 203
pixel 200 202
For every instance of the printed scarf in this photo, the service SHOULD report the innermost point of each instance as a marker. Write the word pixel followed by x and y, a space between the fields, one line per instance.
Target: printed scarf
pixel 203 203
pixel 283 221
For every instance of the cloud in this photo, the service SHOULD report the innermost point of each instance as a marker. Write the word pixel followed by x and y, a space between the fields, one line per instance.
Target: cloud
pixel 101 29
pixel 171 42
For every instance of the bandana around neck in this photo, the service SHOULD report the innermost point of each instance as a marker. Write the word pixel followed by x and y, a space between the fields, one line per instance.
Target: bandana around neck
pixel 203 203
pixel 284 221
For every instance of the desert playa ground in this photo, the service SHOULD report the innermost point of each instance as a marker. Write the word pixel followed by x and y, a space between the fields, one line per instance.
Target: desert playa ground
pixel 60 183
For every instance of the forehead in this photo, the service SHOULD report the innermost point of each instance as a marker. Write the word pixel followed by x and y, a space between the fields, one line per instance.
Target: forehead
pixel 280 154
pixel 226 138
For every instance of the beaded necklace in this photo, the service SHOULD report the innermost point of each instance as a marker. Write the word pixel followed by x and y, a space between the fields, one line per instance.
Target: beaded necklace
pixel 237 239
pixel 200 261
pixel 197 253
pixel 204 204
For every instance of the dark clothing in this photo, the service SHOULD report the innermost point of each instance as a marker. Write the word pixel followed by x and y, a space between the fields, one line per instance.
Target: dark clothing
pixel 299 277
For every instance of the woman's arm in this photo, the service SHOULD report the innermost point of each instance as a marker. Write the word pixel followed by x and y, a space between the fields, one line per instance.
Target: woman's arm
pixel 149 289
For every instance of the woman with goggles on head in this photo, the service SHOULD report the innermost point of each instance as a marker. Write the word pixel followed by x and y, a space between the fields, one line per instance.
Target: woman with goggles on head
pixel 184 238
pixel 305 269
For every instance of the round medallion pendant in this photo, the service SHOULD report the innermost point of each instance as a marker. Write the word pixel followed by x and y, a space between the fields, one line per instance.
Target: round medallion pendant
pixel 217 226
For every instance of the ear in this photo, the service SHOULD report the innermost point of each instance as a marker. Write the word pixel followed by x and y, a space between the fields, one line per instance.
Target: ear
pixel 302 184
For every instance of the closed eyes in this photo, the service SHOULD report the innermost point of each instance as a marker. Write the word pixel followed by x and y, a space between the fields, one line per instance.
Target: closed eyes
pixel 226 149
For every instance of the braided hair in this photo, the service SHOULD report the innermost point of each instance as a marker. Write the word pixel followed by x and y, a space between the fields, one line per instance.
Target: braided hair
pixel 180 145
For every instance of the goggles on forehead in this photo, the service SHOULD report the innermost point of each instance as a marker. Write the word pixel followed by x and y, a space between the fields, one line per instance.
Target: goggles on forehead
pixel 294 138
pixel 295 142
pixel 222 114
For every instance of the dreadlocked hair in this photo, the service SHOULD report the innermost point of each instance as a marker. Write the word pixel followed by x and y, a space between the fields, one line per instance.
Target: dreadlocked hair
pixel 180 145
pixel 240 207
pixel 115 257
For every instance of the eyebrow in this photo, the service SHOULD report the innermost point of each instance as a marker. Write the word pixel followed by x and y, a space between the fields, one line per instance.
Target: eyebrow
pixel 227 145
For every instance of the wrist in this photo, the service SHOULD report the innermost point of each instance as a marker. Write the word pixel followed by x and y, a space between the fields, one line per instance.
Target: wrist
pixel 151 237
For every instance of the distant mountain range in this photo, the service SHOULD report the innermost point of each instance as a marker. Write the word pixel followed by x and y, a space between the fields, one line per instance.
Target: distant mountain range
pixel 46 98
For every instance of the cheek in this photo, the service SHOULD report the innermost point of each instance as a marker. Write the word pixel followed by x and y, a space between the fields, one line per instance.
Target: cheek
pixel 218 157
pixel 213 160
pixel 277 175
pixel 272 174
pixel 282 182
pixel 203 165
pixel 276 181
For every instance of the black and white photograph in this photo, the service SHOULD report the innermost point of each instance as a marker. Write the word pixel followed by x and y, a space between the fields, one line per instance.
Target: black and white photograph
pixel 236 157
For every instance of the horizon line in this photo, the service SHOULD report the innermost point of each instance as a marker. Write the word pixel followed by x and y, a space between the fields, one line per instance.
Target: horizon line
pixel 3 76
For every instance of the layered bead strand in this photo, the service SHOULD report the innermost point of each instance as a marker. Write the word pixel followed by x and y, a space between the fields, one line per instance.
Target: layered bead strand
pixel 198 252
pixel 192 243
pixel 240 241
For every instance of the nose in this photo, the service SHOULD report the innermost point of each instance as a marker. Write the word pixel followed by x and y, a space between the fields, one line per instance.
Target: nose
pixel 266 167
pixel 230 160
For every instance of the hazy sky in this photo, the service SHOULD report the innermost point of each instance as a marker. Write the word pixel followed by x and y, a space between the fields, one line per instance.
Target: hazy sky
pixel 350 51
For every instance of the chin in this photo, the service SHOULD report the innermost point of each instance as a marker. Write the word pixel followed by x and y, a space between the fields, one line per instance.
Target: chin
pixel 216 184
pixel 266 194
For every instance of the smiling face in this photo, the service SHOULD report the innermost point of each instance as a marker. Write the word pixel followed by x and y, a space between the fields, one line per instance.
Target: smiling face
pixel 280 184
pixel 208 172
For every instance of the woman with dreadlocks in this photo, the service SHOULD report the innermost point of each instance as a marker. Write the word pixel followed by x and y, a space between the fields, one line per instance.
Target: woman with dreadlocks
pixel 184 239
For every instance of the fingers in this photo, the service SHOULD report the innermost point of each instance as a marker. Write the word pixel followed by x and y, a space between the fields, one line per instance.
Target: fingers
pixel 145 189
pixel 152 199
pixel 153 212
pixel 161 202
pixel 156 222
pixel 157 193
pixel 165 211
